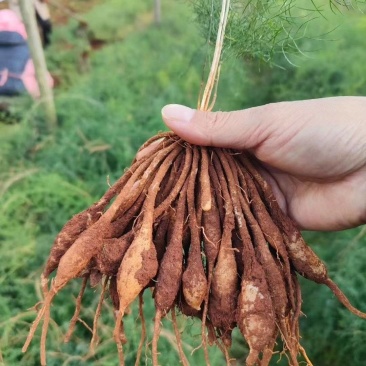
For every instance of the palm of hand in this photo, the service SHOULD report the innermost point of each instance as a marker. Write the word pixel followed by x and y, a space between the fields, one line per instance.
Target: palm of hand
pixel 318 173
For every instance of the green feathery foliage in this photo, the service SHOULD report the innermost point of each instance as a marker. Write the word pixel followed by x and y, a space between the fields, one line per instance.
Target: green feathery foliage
pixel 260 29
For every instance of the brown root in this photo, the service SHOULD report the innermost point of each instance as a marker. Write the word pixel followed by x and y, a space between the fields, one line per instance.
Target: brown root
pixel 44 311
pixel 95 339
pixel 204 180
pixel 109 258
pixel 211 238
pixel 143 331
pixel 269 229
pixel 118 336
pixel 202 228
pixel 194 278
pixel 75 317
pixel 182 356
pixel 156 335
pixel 343 299
pixel 171 266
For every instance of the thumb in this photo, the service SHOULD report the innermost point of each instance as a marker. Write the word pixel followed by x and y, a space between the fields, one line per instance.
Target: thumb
pixel 243 129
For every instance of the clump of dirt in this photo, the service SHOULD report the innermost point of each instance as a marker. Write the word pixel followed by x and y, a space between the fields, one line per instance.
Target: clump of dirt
pixel 202 228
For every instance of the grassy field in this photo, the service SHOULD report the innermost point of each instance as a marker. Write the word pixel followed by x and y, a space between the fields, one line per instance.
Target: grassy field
pixel 108 104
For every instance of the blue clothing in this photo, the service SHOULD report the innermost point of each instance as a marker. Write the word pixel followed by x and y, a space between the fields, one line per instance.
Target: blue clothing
pixel 14 55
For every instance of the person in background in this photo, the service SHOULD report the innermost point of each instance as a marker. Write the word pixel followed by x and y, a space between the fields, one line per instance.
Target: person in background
pixel 43 18
pixel 17 72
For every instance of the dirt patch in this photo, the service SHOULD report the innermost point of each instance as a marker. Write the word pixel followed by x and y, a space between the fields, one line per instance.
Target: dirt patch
pixel 64 10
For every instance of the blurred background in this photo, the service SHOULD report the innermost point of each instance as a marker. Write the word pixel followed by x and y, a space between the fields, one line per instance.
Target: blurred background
pixel 115 65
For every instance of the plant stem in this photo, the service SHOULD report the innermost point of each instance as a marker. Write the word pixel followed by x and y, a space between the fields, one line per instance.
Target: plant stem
pixel 205 104
pixel 36 49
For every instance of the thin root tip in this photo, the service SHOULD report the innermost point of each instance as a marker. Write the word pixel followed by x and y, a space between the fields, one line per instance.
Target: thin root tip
pixel 207 206
pixel 343 299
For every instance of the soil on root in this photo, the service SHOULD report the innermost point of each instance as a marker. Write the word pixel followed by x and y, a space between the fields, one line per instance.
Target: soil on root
pixel 201 225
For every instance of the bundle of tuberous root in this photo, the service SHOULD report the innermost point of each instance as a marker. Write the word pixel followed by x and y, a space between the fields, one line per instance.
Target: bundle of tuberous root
pixel 202 228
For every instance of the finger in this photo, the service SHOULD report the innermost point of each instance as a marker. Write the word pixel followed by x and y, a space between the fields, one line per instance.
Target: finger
pixel 245 129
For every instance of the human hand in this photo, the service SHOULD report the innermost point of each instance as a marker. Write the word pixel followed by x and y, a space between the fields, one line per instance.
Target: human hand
pixel 313 153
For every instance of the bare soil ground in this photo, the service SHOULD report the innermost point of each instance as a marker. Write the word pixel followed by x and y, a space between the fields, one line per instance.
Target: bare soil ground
pixel 63 10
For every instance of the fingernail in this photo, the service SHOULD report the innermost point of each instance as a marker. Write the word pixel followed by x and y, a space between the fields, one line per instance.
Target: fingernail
pixel 177 113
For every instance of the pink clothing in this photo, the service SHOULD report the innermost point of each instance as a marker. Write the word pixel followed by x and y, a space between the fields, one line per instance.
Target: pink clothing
pixel 9 21
pixel 30 82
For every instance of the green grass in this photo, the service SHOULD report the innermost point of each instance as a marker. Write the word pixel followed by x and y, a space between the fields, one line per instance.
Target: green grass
pixel 104 116
pixel 106 112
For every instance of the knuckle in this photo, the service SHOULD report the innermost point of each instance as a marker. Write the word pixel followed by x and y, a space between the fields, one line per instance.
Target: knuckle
pixel 205 123
pixel 213 122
